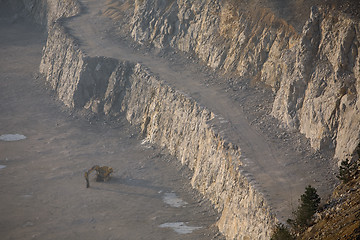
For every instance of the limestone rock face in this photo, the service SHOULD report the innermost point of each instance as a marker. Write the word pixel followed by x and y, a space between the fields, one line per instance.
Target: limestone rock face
pixel 61 64
pixel 167 118
pixel 48 11
pixel 176 122
pixel 319 93
pixel 314 73
pixel 213 30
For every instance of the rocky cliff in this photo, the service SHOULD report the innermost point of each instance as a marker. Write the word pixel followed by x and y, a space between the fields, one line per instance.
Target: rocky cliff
pixel 314 75
pixel 318 92
pixel 167 117
pixel 45 12
pixel 313 70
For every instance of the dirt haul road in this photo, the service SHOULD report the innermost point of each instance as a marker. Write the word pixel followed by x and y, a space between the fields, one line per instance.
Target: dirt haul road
pixel 278 174
pixel 42 187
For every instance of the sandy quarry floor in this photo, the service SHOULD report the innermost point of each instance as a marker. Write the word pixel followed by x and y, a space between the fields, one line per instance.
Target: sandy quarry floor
pixel 279 163
pixel 42 189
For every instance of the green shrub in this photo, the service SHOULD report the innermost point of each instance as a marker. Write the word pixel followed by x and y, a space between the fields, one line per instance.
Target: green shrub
pixel 347 170
pixel 281 232
pixel 309 203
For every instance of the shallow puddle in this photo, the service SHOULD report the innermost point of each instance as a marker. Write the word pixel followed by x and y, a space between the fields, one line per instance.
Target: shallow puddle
pixel 173 200
pixel 2 166
pixel 179 227
pixel 12 137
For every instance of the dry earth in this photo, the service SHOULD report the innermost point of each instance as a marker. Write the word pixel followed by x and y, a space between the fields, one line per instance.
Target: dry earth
pixel 42 188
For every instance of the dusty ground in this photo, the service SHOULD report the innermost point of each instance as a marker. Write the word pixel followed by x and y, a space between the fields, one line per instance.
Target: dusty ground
pixel 42 188
pixel 279 163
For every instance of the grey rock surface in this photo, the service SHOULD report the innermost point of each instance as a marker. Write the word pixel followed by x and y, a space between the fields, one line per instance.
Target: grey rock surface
pixel 310 71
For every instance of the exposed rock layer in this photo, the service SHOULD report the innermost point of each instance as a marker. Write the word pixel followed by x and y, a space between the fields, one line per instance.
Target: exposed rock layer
pixel 46 12
pixel 313 73
pixel 167 117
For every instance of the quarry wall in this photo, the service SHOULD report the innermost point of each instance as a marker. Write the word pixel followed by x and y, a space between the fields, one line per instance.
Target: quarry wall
pixel 166 117
pixel 314 73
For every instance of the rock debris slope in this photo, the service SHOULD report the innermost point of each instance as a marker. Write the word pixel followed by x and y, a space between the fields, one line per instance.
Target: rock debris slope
pixel 340 217
pixel 233 164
